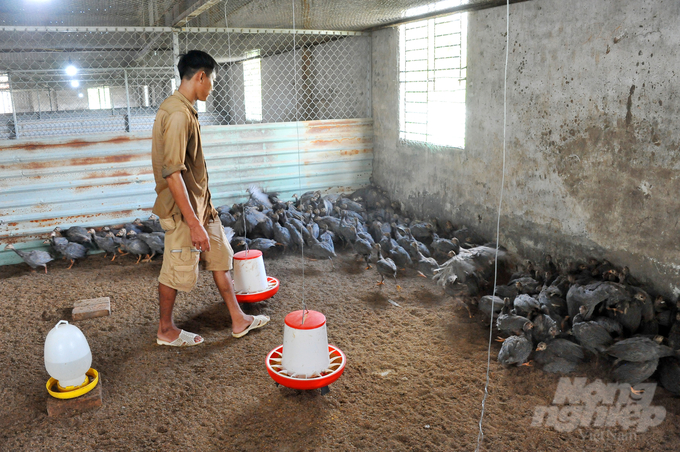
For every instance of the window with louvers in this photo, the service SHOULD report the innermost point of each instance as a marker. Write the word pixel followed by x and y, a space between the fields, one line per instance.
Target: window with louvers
pixel 432 80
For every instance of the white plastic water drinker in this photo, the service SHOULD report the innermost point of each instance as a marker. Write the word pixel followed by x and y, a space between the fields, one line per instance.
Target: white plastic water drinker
pixel 67 355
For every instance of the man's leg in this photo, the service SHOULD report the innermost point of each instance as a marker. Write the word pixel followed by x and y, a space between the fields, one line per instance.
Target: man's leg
pixel 167 331
pixel 239 320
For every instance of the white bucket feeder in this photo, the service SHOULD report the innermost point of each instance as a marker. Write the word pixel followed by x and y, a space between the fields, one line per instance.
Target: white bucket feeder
pixel 305 344
pixel 251 283
pixel 305 360
pixel 67 360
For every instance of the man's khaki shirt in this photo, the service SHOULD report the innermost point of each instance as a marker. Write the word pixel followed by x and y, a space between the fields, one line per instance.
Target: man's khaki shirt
pixel 176 146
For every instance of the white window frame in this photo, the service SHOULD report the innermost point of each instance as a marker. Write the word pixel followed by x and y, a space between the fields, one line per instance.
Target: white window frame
pixel 252 86
pixel 6 105
pixel 432 80
pixel 99 98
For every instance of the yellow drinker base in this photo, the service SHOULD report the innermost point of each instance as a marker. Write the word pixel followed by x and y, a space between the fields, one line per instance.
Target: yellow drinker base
pixel 71 392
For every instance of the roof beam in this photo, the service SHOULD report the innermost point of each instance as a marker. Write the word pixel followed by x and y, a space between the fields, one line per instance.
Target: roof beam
pixel 443 12
pixel 192 9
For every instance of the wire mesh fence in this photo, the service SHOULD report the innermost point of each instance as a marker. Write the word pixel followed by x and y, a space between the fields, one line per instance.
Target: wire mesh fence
pixel 56 82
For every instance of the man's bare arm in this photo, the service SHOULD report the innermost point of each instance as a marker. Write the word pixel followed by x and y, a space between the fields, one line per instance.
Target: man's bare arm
pixel 199 236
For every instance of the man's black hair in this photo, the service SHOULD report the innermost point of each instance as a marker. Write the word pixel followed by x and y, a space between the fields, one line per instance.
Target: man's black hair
pixel 194 61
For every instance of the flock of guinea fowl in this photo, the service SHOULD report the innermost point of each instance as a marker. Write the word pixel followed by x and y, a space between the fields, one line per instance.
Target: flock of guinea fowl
pixel 560 317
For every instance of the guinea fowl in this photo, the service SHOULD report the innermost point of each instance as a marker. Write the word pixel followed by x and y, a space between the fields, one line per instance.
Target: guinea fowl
pixel 153 224
pixel 282 235
pixel 57 242
pixel 560 348
pixel 34 258
pixel 545 328
pixel 366 236
pixel 486 302
pixel 77 234
pixel 227 219
pixel 364 249
pixel 551 297
pixel 613 326
pixel 420 246
pixel 71 250
pixel 559 356
pixel 422 230
pixel 669 374
pixel 155 241
pixel 526 285
pixel 591 335
pixel 136 246
pixel 295 235
pixel 674 333
pixel 508 322
pixel 639 349
pixel 426 265
pixel 106 243
pixel 526 305
pixel 400 256
pixel 264 245
pixel 634 373
pixel 318 249
pixel 386 267
pixel 517 349
pixel 347 232
pixel 591 295
pixel 444 246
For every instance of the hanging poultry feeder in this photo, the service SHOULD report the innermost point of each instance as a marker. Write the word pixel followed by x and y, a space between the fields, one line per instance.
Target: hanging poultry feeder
pixel 67 360
pixel 251 283
pixel 305 360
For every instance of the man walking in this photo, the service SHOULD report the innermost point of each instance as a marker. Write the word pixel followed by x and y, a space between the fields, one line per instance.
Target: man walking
pixel 192 226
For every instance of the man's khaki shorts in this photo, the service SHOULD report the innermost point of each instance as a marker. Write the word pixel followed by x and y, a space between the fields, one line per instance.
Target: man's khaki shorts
pixel 180 260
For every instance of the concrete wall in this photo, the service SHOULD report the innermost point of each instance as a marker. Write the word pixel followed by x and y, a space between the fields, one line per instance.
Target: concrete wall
pixel 592 148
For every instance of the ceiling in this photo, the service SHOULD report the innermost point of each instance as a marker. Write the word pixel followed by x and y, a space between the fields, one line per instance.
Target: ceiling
pixel 351 15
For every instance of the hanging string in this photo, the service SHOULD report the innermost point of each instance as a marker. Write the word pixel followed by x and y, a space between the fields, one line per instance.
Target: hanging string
pixel 297 131
pixel 480 436
pixel 226 25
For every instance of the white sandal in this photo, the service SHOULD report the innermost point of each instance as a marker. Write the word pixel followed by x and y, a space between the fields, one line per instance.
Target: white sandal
pixel 185 339
pixel 258 321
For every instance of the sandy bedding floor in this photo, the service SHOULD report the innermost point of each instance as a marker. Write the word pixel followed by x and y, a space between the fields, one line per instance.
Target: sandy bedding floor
pixel 414 378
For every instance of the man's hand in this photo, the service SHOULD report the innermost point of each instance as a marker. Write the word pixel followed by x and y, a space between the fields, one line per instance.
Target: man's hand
pixel 199 238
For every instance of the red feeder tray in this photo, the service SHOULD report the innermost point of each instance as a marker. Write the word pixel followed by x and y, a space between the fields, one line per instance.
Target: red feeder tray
pixel 338 361
pixel 254 297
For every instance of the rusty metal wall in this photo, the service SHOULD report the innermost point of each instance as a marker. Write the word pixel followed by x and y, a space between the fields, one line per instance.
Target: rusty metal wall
pixel 108 180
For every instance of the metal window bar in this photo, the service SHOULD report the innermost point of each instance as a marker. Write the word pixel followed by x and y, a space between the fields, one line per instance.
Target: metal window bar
pixel 138 64
pixel 432 81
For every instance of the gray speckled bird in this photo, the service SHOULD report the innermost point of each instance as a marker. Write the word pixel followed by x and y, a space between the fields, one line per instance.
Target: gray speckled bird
pixel 669 374
pixel 364 249
pixel 590 335
pixel 106 243
pixel 34 258
pixel 516 349
pixel 155 241
pixel 634 373
pixel 136 246
pixel 639 349
pixel 385 267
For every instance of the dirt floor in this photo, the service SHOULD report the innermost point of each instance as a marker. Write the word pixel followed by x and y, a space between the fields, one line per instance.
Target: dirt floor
pixel 414 378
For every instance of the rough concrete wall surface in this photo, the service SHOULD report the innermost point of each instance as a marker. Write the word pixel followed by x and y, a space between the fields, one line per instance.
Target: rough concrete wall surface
pixel 592 163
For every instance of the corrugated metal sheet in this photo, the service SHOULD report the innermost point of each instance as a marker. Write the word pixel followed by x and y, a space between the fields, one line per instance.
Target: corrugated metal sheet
pixel 107 179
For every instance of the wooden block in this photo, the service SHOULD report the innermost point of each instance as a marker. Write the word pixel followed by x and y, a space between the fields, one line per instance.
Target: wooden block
pixel 69 407
pixel 94 307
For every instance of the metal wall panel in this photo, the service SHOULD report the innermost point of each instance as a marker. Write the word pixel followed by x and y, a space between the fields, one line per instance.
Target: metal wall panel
pixel 107 179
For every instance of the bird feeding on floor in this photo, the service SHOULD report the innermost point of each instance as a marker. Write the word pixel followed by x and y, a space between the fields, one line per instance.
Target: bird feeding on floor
pixel 305 360
pixel 251 283
pixel 67 360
